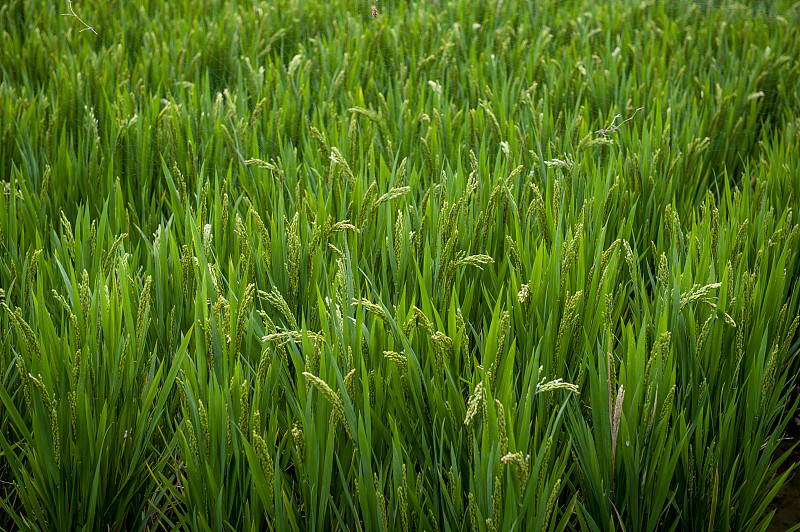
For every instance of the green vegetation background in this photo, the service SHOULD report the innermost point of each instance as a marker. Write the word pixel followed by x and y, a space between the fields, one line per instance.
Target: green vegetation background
pixel 286 266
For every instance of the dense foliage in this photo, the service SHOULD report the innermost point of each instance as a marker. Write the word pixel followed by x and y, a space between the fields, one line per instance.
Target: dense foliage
pixel 467 265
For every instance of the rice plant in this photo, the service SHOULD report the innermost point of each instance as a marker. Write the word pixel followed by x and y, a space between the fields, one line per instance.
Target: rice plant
pixel 412 266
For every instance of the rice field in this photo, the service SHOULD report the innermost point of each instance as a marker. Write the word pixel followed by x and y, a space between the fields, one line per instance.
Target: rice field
pixel 419 265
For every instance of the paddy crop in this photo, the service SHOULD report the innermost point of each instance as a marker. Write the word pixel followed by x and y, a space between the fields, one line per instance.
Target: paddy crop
pixel 455 266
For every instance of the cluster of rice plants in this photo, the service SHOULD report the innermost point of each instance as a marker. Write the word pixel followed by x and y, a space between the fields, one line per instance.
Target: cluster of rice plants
pixel 465 265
